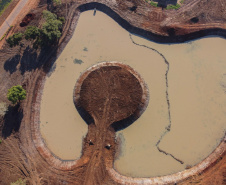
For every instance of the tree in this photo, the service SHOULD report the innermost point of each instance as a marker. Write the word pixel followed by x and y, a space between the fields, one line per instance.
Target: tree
pixel 51 31
pixel 15 39
pixel 49 15
pixel 32 32
pixel 16 93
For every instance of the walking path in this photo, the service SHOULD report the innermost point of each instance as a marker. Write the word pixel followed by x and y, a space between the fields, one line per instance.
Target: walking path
pixel 12 16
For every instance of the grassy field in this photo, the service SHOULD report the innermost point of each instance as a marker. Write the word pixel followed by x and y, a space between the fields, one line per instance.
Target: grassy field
pixel 3 5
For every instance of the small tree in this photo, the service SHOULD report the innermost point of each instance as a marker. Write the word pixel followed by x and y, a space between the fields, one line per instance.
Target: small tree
pixel 32 32
pixel 16 93
pixel 15 39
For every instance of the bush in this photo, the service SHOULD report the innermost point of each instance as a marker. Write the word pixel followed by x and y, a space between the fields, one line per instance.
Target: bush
pixel 15 39
pixel 32 32
pixel 16 93
pixel 0 141
pixel 19 182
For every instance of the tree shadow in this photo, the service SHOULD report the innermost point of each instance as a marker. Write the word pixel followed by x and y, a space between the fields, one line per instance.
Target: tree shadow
pixel 11 64
pixel 164 3
pixel 31 60
pixel 122 124
pixel 12 120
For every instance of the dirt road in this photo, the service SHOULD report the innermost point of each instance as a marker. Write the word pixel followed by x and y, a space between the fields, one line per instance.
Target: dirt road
pixel 13 15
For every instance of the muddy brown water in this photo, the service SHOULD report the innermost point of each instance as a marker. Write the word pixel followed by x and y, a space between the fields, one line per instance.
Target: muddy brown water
pixel 196 93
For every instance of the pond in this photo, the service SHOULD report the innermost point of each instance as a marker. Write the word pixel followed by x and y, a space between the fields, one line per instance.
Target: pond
pixel 186 111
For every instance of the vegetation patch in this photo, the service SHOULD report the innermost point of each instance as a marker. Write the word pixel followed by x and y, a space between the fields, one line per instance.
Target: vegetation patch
pixel 170 7
pixel 19 182
pixel 47 35
pixel 6 33
pixel 152 3
pixel 15 39
pixel 3 5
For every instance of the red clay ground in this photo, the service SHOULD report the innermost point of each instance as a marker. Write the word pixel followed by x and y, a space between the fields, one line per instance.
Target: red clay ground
pixel 23 65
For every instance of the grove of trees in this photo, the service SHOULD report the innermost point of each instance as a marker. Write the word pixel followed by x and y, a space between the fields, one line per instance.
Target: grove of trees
pixel 48 34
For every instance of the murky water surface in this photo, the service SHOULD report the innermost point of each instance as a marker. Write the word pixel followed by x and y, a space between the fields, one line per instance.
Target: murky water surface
pixel 196 88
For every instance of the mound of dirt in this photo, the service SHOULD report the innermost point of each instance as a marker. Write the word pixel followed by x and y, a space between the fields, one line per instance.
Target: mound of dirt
pixel 110 93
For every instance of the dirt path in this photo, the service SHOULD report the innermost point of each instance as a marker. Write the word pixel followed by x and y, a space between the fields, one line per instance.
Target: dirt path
pixel 13 15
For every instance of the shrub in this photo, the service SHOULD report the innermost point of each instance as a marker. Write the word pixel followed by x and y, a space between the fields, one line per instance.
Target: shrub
pixel 16 93
pixel 15 39
pixel 19 182
pixel 32 32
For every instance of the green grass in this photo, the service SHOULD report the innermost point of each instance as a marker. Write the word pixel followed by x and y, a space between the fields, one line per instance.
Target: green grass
pixel 6 33
pixel 153 4
pixel 19 182
pixel 3 5
pixel 170 7
pixel 182 1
